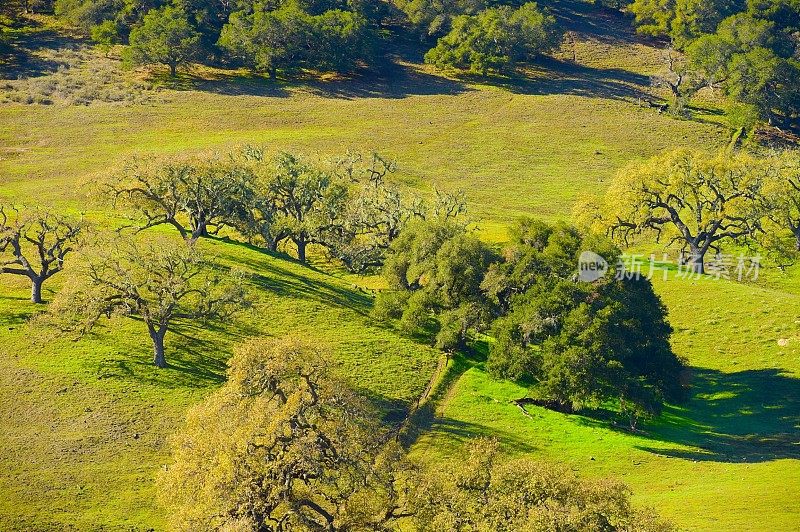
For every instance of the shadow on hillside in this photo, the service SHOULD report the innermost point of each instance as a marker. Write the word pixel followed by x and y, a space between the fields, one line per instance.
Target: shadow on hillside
pixel 284 282
pixel 553 76
pixel 748 416
pixel 397 81
pixel 21 59
pixel 461 432
pixel 192 362
pixel 594 22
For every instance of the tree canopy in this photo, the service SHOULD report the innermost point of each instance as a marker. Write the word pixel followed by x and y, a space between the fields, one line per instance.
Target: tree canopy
pixel 495 39
pixel 285 444
pixel 35 243
pixel 165 36
pixel 159 282
pixel 578 343
pixel 434 271
pixel 694 199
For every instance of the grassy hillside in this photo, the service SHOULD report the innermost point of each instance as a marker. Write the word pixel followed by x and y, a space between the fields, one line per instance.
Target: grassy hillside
pixel 85 421
pixel 727 459
pixel 84 424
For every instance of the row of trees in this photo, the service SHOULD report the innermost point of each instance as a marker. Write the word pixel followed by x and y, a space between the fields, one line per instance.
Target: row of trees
pixel 702 201
pixel 323 35
pixel 346 206
pixel 576 344
pixel 286 444
pixel 749 49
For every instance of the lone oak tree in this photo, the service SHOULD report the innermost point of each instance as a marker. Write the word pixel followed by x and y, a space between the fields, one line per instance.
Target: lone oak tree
pixel 164 36
pixel 284 445
pixel 159 282
pixel 692 198
pixel 38 242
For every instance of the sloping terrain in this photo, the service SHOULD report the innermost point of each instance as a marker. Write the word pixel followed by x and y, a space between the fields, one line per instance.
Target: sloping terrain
pixel 85 421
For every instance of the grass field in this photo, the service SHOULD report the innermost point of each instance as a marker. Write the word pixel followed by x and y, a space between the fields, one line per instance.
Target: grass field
pixel 85 421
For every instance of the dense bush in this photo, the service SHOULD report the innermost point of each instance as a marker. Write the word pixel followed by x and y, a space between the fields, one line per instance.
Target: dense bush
pixel 576 344
pixel 495 39
pixel 434 270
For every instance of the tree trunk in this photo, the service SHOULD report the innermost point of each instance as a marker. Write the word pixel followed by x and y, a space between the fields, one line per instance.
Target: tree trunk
pixel 173 69
pixel 158 347
pixel 301 249
pixel 36 289
pixel 273 73
pixel 200 230
pixel 696 258
pixel 797 240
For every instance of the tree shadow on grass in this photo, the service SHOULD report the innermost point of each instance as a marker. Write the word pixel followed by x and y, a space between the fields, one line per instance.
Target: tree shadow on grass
pixel 394 82
pixel 460 432
pixel 21 60
pixel 747 416
pixel 554 76
pixel 272 277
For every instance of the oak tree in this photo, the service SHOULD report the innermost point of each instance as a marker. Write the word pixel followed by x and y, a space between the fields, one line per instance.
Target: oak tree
pixel 695 199
pixel 160 283
pixel 285 444
pixel 197 197
pixel 35 243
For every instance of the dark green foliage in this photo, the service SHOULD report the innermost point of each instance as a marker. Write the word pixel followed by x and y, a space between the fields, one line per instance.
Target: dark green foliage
pixel 435 269
pixel 435 17
pixel 748 48
pixel 290 38
pixel 579 344
pixel 165 36
pixel 753 61
pixel 682 20
pixel 496 39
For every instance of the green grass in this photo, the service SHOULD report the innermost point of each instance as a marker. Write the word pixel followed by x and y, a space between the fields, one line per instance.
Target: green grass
pixel 727 459
pixel 85 421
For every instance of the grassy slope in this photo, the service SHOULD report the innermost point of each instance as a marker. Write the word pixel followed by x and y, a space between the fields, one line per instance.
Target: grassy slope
pixel 68 448
pixel 84 424
pixel 728 459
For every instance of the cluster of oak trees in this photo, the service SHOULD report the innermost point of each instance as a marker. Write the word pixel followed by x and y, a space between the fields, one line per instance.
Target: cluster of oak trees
pixel 347 208
pixel 576 344
pixel 582 344
pixel 286 444
pixel 322 35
